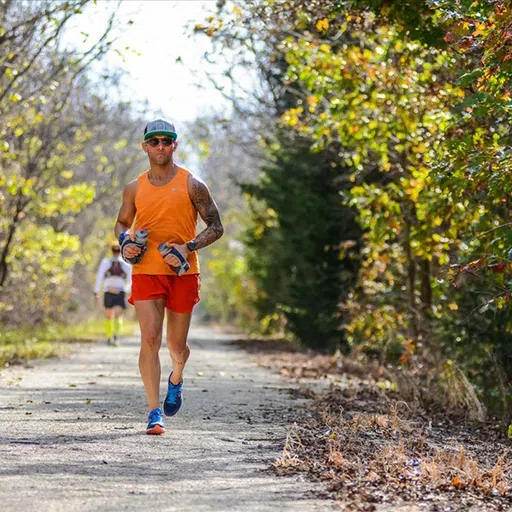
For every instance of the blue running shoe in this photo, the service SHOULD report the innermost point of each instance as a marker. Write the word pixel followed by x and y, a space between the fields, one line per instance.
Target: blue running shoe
pixel 156 422
pixel 174 398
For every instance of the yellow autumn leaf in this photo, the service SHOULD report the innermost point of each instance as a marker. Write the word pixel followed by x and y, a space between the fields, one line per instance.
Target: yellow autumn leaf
pixel 480 28
pixel 322 25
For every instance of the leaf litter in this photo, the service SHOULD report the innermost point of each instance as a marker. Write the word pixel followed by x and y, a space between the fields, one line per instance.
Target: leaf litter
pixel 373 451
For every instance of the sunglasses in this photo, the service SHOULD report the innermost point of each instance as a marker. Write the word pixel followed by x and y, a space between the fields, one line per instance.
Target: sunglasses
pixel 154 141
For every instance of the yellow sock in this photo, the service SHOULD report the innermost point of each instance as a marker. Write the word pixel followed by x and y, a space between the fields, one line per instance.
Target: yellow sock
pixel 109 327
pixel 117 325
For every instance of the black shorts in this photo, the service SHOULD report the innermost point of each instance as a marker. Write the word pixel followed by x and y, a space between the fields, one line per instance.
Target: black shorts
pixel 114 299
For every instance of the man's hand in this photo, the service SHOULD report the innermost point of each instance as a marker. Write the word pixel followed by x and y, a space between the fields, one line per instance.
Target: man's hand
pixel 172 260
pixel 131 250
pixel 97 297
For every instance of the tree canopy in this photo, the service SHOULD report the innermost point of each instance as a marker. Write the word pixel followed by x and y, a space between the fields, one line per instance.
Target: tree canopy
pixel 410 100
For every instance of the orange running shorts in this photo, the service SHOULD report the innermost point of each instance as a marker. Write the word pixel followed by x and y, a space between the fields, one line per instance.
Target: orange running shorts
pixel 181 294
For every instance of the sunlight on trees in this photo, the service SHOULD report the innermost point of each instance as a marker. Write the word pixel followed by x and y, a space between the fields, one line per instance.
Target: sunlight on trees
pixel 413 99
pixel 49 144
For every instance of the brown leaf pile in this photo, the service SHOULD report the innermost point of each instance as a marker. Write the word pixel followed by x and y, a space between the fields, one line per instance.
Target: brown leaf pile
pixel 371 449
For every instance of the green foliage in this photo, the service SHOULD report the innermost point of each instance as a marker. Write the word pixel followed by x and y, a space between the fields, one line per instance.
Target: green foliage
pixel 377 96
pixel 417 19
pixel 43 260
pixel 474 164
pixel 480 338
pixel 227 286
pixel 413 97
pixel 300 246
pixel 63 150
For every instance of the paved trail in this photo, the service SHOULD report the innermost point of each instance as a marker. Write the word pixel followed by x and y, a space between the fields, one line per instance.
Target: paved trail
pixel 72 435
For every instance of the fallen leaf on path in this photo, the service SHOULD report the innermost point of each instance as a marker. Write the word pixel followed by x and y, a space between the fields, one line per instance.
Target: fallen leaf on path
pixel 457 482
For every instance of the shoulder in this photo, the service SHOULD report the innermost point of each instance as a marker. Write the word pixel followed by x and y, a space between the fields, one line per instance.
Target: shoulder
pixel 196 186
pixel 189 174
pixel 105 262
pixel 131 188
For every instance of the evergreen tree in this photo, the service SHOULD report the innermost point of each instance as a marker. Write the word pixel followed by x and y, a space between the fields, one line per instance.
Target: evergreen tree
pixel 297 244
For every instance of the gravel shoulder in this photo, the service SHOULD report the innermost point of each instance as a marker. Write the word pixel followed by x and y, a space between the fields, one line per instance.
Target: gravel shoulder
pixel 72 434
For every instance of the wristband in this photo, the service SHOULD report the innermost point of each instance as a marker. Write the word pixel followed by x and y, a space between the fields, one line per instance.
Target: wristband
pixel 191 246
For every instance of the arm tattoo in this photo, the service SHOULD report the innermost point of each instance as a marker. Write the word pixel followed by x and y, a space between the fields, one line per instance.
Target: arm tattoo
pixel 209 212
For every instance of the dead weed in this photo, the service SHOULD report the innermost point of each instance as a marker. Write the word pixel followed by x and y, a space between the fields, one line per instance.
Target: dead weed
pixel 371 446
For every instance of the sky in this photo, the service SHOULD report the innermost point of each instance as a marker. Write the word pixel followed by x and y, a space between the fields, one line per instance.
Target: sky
pixel 158 37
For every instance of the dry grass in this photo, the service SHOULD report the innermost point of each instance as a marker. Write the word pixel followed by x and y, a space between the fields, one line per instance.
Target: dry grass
pixel 18 345
pixel 421 386
pixel 459 393
pixel 424 443
pixel 291 461
pixel 386 458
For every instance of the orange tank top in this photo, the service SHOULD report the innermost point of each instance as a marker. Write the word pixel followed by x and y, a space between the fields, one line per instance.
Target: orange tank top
pixel 167 213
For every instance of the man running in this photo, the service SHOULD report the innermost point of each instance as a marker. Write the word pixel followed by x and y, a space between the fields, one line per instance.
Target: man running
pixel 165 201
pixel 115 276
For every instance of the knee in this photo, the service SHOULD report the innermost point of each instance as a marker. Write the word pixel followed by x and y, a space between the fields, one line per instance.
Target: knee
pixel 178 349
pixel 151 340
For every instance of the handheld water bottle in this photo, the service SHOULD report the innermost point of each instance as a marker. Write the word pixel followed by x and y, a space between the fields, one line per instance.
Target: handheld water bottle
pixel 184 264
pixel 141 240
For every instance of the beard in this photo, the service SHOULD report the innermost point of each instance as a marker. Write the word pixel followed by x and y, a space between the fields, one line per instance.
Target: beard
pixel 161 159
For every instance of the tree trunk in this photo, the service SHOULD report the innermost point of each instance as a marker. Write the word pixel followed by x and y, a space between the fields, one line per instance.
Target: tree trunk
pixel 409 218
pixel 5 251
pixel 426 286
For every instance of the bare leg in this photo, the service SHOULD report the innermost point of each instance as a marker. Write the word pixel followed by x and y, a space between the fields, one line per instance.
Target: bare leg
pixel 177 331
pixel 150 314
pixel 118 311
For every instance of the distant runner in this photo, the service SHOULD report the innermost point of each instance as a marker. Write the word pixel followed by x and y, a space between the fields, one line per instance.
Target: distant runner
pixel 115 276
